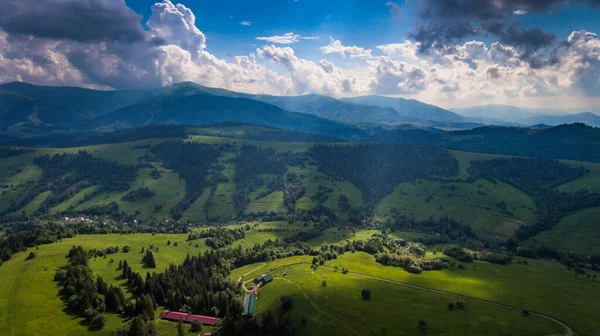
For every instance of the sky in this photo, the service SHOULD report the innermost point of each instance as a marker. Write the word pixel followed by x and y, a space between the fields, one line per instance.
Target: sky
pixel 451 53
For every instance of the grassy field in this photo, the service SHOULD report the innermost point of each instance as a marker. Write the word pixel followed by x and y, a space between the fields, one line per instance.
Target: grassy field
pixel 545 287
pixel 28 290
pixel 474 204
pixel 338 309
pixel 579 232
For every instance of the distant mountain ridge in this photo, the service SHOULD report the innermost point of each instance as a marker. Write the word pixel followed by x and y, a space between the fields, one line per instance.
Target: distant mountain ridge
pixel 204 108
pixel 587 118
pixel 506 113
pixel 409 108
pixel 494 114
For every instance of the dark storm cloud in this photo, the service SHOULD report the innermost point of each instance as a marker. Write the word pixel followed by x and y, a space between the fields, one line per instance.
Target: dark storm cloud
pixel 78 20
pixel 450 21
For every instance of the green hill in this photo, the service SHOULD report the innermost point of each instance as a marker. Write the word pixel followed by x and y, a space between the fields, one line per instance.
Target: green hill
pixel 286 177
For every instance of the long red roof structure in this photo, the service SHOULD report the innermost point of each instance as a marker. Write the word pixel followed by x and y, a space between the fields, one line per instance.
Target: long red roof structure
pixel 176 316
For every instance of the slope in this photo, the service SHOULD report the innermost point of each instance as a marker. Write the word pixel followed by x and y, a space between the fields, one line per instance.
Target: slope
pixel 409 107
pixel 201 109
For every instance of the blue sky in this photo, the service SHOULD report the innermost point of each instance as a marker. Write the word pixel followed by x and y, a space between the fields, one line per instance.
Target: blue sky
pixel 363 22
pixel 452 53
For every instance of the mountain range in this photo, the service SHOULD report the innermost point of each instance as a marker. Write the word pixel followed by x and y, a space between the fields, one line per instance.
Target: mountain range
pixel 28 110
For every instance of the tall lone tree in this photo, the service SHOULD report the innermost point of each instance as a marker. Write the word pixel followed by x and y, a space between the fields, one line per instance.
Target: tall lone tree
pixel 148 259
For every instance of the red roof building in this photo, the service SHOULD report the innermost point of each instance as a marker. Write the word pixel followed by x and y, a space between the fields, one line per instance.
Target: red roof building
pixel 176 316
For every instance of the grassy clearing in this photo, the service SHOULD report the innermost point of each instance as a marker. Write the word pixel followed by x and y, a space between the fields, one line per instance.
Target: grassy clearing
pixel 474 204
pixel 545 287
pixel 338 309
pixel 579 232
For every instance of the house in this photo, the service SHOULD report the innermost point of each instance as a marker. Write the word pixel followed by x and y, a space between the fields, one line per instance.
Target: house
pixel 176 316
pixel 259 279
pixel 263 279
pixel 249 305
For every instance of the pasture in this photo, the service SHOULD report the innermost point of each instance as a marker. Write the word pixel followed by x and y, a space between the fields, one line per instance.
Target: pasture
pixel 337 307
pixel 476 204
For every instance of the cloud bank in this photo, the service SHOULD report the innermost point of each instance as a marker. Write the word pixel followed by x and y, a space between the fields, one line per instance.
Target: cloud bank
pixel 105 46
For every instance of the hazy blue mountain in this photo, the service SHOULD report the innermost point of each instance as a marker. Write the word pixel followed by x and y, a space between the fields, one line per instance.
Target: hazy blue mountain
pixel 203 108
pixel 60 106
pixel 587 118
pixel 321 106
pixel 409 107
pixel 505 113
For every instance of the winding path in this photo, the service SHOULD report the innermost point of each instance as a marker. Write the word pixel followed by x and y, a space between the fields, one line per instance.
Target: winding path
pixel 567 328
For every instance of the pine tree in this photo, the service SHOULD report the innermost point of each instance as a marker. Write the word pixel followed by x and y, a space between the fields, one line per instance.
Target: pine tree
pixel 180 331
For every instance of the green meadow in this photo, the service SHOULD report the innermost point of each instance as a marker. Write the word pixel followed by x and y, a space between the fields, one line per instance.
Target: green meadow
pixel 337 308
pixel 28 288
pixel 472 203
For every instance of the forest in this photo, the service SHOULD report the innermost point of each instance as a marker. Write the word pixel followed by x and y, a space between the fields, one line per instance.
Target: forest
pixel 192 161
pixel 376 169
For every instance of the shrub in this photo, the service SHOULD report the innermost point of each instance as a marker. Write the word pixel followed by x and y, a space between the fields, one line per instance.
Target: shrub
pixel 287 303
pixel 30 256
pixel 196 325
pixel 366 294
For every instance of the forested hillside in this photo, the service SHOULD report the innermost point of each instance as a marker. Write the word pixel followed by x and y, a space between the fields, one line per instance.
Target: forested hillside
pixel 225 172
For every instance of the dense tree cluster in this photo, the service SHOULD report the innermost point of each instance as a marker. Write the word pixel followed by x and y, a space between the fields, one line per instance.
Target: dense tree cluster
pixel 30 236
pixel 138 194
pixel 250 163
pixel 446 229
pixel 85 296
pixel 376 169
pixel 218 237
pixel 83 166
pixel 387 251
pixel 192 161
pixel 538 177
pixel 10 152
pixel 464 255
pixel 293 189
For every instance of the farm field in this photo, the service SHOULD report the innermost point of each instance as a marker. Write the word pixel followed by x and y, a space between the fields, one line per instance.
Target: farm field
pixel 338 309
pixel 579 232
